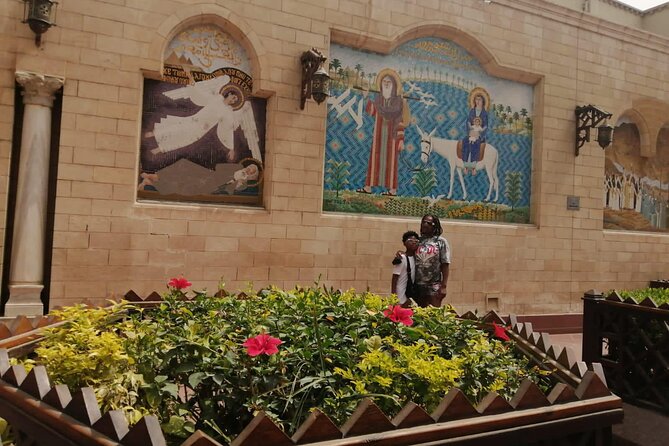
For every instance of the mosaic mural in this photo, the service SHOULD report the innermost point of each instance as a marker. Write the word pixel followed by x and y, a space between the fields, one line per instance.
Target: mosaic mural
pixel 636 188
pixel 425 129
pixel 203 134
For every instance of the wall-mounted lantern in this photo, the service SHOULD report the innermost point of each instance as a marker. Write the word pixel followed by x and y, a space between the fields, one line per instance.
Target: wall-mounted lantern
pixel 40 15
pixel 588 117
pixel 315 79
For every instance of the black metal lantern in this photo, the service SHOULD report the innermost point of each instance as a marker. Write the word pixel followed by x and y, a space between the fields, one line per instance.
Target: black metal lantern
pixel 40 15
pixel 604 135
pixel 320 85
pixel 315 80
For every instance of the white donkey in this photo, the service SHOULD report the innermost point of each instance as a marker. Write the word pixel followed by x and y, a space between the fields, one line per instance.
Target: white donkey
pixel 448 148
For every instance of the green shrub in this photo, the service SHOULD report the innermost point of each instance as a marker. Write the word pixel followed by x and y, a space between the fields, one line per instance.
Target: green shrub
pixel 86 352
pixel 658 295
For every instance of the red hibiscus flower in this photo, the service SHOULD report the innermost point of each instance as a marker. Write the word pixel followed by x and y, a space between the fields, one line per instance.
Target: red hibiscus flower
pixel 263 343
pixel 179 283
pixel 500 332
pixel 398 314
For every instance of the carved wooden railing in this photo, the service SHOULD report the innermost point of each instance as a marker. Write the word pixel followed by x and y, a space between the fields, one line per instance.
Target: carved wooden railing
pixel 578 410
pixel 660 283
pixel 21 333
pixel 631 341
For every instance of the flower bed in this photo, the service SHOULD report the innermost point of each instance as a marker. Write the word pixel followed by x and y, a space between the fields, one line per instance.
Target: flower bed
pixel 213 363
pixel 254 363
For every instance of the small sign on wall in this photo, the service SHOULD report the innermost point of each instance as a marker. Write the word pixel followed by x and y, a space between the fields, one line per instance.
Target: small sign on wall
pixel 573 203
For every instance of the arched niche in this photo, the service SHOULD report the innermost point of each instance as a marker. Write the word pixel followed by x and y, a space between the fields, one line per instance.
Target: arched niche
pixel 635 180
pixel 203 122
pixel 234 25
pixel 429 157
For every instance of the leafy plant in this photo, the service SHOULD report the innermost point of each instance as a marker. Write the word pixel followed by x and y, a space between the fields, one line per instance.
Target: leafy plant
pixel 658 295
pixel 514 187
pixel 337 175
pixel 425 181
pixel 85 352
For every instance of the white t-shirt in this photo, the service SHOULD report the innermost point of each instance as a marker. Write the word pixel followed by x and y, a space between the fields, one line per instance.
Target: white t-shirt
pixel 401 270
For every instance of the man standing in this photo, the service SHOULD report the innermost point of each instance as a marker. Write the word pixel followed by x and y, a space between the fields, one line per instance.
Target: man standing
pixel 433 258
pixel 392 116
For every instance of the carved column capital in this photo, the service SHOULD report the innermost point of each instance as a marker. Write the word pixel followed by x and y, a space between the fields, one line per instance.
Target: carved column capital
pixel 38 88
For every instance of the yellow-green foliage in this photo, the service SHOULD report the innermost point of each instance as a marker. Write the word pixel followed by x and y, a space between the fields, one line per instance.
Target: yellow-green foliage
pixel 658 295
pixel 487 368
pixel 407 371
pixel 85 352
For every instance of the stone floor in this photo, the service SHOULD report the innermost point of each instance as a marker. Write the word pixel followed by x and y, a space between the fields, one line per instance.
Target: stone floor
pixel 571 340
pixel 640 427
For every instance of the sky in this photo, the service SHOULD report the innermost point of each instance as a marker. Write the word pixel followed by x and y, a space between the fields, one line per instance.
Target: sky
pixel 643 4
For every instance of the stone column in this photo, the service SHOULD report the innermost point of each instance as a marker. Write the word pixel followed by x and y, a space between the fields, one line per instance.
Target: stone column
pixel 26 269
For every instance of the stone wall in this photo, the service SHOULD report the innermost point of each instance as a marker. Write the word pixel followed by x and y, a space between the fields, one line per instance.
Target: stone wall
pixel 106 243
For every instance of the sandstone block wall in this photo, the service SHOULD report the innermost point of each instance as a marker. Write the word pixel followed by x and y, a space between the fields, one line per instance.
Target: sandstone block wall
pixel 106 243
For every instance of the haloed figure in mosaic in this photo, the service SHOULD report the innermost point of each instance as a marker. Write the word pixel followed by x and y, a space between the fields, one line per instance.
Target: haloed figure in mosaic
pixel 391 114
pixel 433 258
pixel 472 148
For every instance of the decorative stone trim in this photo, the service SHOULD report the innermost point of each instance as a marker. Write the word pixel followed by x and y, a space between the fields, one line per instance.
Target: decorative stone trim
pixel 39 89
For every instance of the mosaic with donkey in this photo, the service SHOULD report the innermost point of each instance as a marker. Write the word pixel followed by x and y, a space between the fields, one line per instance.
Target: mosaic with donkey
pixel 402 125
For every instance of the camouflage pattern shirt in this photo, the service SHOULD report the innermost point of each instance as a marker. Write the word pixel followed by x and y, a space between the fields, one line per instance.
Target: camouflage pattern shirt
pixel 432 252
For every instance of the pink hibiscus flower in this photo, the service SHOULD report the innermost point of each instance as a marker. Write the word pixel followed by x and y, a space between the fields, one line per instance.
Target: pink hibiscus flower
pixel 398 314
pixel 179 283
pixel 263 343
pixel 500 332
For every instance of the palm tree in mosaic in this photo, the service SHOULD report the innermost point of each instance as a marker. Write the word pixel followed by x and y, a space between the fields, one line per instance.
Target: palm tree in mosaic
pixel 335 65
pixel 358 69
pixel 524 113
pixel 528 123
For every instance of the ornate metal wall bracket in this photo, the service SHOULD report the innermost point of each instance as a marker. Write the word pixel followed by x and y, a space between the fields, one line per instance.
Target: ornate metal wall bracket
pixel 588 117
